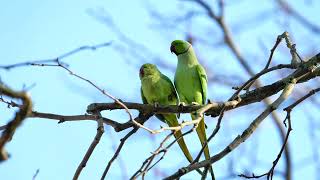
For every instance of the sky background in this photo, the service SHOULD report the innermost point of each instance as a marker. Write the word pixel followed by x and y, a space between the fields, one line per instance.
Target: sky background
pixel 36 30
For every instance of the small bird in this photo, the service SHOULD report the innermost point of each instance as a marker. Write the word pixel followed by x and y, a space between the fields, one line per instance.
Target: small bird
pixel 156 88
pixel 191 83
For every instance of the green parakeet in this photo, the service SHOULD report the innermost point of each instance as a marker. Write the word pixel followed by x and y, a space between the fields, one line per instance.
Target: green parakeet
pixel 158 88
pixel 191 83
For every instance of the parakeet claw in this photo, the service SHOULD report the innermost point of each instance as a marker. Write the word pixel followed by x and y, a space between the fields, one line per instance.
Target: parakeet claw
pixel 180 106
pixel 195 103
pixel 156 104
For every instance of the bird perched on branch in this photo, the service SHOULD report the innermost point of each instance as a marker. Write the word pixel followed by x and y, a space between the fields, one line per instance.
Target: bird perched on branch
pixel 191 83
pixel 156 88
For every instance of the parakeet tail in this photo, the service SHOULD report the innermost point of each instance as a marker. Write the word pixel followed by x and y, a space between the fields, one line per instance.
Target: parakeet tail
pixel 201 131
pixel 172 121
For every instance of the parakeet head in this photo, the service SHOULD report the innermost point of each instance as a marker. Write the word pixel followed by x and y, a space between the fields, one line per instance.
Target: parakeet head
pixel 147 70
pixel 179 47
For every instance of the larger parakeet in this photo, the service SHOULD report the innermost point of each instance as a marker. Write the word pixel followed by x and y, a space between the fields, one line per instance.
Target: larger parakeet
pixel 158 88
pixel 191 83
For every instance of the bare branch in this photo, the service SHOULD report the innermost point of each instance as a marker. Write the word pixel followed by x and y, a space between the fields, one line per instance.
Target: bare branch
pixel 35 174
pixel 270 173
pixel 57 63
pixel 64 118
pixel 146 165
pixel 55 60
pixel 11 127
pixel 96 140
pixel 116 154
pixel 312 92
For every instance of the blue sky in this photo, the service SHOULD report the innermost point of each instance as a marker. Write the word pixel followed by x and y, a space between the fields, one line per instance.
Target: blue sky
pixel 35 30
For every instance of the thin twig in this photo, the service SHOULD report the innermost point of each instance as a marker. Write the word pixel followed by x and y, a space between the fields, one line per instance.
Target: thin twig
pixel 150 159
pixel 102 91
pixel 55 60
pixel 312 92
pixel 116 154
pixel 146 165
pixel 94 143
pixel 58 63
pixel 279 39
pixel 66 118
pixel 35 174
pixel 270 173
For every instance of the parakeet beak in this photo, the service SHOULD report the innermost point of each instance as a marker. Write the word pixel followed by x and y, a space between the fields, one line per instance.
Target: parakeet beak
pixel 173 49
pixel 141 74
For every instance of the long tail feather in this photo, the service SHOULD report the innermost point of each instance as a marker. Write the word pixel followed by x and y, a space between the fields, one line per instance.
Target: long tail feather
pixel 172 121
pixel 201 131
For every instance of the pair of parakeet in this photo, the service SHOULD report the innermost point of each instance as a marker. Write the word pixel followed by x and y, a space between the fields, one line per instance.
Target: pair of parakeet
pixel 190 82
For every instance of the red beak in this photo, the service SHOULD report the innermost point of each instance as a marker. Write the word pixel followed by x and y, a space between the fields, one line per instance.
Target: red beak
pixel 141 72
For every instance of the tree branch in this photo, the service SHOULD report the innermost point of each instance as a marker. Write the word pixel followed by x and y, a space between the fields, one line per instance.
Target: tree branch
pixel 11 127
pixel 96 140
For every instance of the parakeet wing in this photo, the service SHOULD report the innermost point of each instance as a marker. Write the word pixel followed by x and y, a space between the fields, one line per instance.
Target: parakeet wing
pixel 144 100
pixel 174 94
pixel 203 81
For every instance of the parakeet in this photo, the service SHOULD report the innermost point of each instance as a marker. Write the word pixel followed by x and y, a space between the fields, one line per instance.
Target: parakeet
pixel 191 83
pixel 158 88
